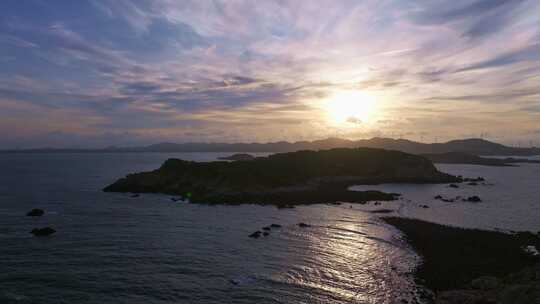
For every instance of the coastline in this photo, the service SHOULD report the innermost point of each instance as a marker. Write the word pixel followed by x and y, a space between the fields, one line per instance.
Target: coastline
pixel 454 258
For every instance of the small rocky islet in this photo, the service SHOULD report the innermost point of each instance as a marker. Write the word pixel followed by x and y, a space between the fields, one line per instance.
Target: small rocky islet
pixel 286 179
pixel 473 159
pixel 238 157
pixel 266 231
pixel 36 212
pixel 45 231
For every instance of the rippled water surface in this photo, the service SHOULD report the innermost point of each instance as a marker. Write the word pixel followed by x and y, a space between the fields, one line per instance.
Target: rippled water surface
pixel 510 198
pixel 112 248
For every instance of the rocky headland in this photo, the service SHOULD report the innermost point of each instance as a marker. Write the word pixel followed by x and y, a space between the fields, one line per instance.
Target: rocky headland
pixel 474 266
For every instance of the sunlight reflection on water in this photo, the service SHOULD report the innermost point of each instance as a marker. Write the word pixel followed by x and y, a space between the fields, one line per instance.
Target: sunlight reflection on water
pixel 510 201
pixel 152 250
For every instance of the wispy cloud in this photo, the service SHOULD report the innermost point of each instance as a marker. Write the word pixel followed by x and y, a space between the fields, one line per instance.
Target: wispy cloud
pixel 259 70
pixel 475 19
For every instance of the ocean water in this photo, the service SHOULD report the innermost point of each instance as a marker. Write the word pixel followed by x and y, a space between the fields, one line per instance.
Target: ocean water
pixel 510 198
pixel 113 248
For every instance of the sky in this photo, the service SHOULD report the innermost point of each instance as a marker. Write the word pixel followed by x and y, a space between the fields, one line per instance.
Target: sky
pixel 117 72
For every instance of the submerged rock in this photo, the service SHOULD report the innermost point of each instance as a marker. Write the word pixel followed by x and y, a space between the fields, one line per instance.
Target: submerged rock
pixel 382 211
pixel 35 212
pixel 135 195
pixel 478 179
pixel 275 226
pixel 453 186
pixel 472 199
pixel 446 200
pixel 265 233
pixel 255 234
pixel 266 228
pixel 42 231
pixel 303 225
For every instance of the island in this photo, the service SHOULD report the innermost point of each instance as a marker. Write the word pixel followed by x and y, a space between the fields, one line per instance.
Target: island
pixel 238 157
pixel 283 179
pixel 472 159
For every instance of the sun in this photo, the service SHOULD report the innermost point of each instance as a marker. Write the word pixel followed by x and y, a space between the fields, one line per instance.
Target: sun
pixel 349 107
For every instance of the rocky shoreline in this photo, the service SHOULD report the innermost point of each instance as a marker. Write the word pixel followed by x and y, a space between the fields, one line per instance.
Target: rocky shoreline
pixel 473 266
pixel 303 177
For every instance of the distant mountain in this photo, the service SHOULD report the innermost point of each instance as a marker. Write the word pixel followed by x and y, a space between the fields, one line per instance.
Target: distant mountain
pixel 474 146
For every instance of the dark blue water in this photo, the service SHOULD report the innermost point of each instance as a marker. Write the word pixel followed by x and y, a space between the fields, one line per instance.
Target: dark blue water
pixel 111 248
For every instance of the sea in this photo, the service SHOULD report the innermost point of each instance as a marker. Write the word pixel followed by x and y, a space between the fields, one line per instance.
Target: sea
pixel 115 248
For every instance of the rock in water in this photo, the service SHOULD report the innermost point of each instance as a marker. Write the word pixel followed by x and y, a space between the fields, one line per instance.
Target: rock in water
pixel 255 234
pixel 275 226
pixel 303 225
pixel 36 212
pixel 473 199
pixel 42 231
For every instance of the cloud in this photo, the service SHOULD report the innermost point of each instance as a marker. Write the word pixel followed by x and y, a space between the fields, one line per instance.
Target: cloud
pixel 15 41
pixel 247 70
pixel 354 120
pixel 139 19
pixel 527 53
pixel 475 19
pixel 495 96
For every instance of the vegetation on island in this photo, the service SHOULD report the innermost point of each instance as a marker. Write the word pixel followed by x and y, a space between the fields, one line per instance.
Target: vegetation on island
pixel 286 178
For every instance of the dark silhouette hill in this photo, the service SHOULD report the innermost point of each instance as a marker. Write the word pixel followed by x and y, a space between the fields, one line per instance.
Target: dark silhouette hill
pixel 293 177
pixel 474 146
